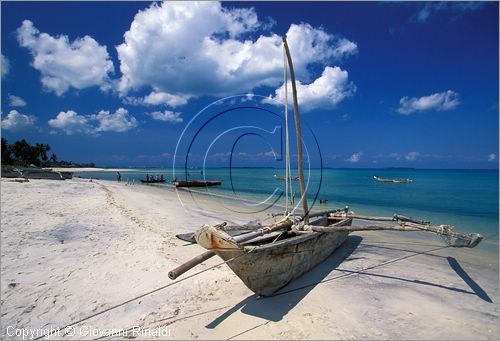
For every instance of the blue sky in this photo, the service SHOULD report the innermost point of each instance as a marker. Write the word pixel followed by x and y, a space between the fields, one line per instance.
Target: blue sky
pixel 380 84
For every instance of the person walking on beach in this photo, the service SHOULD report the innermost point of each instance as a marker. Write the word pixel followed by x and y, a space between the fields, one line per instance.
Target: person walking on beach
pixel 118 177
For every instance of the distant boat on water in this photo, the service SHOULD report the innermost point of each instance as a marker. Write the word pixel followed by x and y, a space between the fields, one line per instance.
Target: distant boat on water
pixel 282 177
pixel 196 183
pixel 397 181
pixel 153 179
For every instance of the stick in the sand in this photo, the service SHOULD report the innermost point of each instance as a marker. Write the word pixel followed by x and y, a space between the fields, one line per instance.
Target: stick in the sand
pixel 173 274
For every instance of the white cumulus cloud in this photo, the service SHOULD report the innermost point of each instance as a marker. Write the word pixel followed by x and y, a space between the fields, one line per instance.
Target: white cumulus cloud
pixel 325 92
pixel 5 66
pixel 70 122
pixel 191 49
pixel 167 116
pixel 119 121
pixel 15 121
pixel 492 157
pixel 158 98
pixel 441 101
pixel 16 101
pixel 355 157
pixel 63 64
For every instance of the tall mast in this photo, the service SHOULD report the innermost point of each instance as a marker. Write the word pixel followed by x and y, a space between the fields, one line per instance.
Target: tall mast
pixel 299 135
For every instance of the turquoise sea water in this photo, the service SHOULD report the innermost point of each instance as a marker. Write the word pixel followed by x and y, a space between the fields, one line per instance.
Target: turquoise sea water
pixel 467 199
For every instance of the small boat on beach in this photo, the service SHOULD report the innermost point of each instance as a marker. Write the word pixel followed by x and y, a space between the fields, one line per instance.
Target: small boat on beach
pixel 45 174
pixel 396 181
pixel 268 262
pixel 266 258
pixel 195 183
pixel 66 175
pixel 12 173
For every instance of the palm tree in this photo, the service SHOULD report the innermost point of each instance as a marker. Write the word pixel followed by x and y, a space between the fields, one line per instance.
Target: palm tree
pixel 6 153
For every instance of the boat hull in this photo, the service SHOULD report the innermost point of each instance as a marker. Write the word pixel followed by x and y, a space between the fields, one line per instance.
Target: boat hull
pixel 268 267
pixel 45 174
pixel 196 183
pixel 12 174
pixel 282 177
pixel 66 175
pixel 396 181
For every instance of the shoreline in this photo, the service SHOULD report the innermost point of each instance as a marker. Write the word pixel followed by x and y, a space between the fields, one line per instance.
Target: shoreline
pixel 74 248
pixel 244 205
pixel 473 209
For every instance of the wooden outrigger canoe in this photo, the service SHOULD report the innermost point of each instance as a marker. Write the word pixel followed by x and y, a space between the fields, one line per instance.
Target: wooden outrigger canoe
pixel 397 181
pixel 268 258
pixel 196 183
pixel 269 262
pixel 153 181
pixel 282 177
pixel 45 174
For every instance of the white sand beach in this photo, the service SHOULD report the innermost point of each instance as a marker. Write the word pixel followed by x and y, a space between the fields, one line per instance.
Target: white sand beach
pixel 95 256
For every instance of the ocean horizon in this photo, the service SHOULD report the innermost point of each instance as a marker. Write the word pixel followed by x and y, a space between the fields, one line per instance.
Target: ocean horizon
pixel 281 168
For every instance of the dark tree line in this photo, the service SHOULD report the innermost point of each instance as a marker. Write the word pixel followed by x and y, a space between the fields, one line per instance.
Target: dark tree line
pixel 21 153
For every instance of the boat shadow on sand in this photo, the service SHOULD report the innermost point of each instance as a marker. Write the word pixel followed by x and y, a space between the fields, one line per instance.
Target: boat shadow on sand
pixel 273 308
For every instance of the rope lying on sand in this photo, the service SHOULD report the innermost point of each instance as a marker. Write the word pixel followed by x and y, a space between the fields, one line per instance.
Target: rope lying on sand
pixel 256 298
pixel 135 298
pixel 340 276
